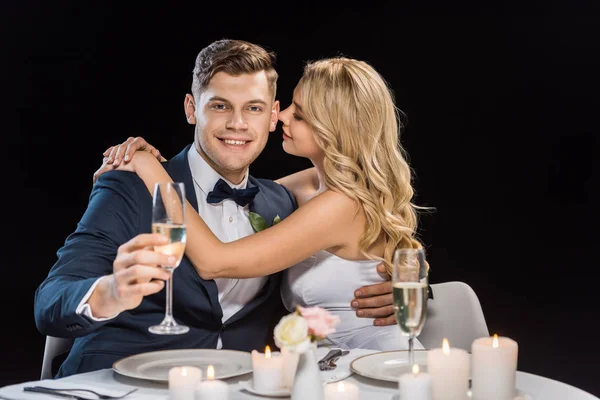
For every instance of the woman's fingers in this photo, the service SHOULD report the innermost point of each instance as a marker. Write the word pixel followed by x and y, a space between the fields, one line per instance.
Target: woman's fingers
pixel 106 166
pixel 107 151
pixel 124 152
pixel 111 154
pixel 139 144
pixel 121 150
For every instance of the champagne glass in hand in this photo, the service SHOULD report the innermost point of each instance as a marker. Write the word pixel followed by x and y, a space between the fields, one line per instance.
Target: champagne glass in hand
pixel 168 219
pixel 409 283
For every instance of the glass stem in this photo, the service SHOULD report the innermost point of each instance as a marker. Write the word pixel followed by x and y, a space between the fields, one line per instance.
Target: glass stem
pixel 169 307
pixel 411 358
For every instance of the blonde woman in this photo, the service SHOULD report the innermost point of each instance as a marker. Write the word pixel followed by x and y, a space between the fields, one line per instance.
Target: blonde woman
pixel 354 205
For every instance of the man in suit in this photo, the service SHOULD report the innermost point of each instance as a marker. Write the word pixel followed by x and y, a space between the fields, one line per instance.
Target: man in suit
pixel 105 290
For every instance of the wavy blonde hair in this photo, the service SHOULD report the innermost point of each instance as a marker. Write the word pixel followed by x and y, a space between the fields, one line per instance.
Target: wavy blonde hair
pixel 357 125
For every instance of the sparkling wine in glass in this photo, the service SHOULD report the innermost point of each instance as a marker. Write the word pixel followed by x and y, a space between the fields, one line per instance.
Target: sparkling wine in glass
pixel 168 219
pixel 409 289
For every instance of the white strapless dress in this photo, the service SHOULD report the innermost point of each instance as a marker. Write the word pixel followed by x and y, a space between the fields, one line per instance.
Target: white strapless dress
pixel 328 281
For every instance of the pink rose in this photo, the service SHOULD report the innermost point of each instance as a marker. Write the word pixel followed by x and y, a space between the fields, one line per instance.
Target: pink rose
pixel 320 322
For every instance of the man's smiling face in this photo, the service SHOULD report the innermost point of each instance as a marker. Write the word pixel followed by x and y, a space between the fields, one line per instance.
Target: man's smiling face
pixel 233 117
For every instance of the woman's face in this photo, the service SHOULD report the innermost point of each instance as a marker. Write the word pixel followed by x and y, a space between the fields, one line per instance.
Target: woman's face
pixel 298 136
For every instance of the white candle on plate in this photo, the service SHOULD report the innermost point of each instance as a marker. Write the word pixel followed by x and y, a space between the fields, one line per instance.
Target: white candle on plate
pixel 494 369
pixel 341 391
pixel 267 371
pixel 449 370
pixel 290 363
pixel 182 381
pixel 211 388
pixel 415 385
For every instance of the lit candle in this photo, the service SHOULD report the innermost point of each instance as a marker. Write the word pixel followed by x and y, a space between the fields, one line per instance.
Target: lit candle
pixel 290 363
pixel 211 388
pixel 449 370
pixel 341 391
pixel 415 385
pixel 494 368
pixel 267 371
pixel 182 381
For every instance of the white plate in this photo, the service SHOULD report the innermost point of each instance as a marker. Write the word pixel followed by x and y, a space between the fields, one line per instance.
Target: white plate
pixel 155 365
pixel 247 385
pixel 388 365
pixel 520 396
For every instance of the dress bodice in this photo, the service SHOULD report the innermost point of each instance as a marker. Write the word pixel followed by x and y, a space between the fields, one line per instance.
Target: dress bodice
pixel 328 281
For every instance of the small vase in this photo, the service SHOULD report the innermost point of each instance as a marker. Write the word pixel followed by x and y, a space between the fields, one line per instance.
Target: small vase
pixel 307 381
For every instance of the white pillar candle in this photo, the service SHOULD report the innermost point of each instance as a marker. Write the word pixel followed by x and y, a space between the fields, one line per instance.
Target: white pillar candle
pixel 449 370
pixel 290 363
pixel 494 369
pixel 267 371
pixel 182 381
pixel 211 388
pixel 341 391
pixel 415 385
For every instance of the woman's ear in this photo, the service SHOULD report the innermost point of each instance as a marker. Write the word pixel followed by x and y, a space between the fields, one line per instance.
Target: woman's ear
pixel 189 107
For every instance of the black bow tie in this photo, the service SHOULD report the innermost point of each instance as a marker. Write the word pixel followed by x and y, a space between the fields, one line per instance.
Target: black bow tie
pixel 223 191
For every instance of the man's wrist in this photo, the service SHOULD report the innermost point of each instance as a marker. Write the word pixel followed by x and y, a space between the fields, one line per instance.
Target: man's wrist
pixel 102 302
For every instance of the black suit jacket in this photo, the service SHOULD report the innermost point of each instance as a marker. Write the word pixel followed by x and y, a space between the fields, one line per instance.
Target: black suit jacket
pixel 120 208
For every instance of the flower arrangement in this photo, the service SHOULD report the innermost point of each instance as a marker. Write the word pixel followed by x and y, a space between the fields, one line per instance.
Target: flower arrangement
pixel 296 331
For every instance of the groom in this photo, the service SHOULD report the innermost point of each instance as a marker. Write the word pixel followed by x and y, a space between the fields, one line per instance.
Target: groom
pixel 105 290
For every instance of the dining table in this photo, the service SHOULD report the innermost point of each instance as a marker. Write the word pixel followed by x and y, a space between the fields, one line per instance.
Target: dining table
pixel 109 381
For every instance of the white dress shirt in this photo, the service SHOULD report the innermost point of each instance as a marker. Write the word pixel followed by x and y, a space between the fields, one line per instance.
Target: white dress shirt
pixel 229 222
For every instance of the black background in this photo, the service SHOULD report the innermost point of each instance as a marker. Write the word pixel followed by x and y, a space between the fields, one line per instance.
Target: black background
pixel 501 101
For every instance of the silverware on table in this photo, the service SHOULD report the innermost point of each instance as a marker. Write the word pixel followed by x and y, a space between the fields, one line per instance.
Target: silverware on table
pixel 330 365
pixel 332 353
pixel 64 392
pixel 36 389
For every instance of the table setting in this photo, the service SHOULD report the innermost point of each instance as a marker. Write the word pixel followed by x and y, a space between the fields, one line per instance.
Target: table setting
pixel 304 368
pixel 365 371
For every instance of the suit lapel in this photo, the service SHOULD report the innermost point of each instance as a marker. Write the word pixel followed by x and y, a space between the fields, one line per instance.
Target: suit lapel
pixel 179 169
pixel 261 204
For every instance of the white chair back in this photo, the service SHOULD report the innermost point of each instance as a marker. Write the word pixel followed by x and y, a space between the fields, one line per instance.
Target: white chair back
pixel 54 347
pixel 454 313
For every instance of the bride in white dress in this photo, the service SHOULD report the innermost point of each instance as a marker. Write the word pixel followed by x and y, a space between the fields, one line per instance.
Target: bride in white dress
pixel 354 206
pixel 326 280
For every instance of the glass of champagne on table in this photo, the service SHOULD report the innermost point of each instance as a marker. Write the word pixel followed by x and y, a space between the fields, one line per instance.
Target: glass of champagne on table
pixel 168 219
pixel 409 283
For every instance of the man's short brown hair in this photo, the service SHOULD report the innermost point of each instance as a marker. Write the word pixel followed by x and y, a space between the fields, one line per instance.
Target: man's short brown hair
pixel 234 57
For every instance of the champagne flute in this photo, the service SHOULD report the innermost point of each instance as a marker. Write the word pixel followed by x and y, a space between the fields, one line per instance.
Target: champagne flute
pixel 168 219
pixel 409 288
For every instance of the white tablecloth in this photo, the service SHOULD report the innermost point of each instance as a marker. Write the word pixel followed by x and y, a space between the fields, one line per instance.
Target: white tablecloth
pixel 108 381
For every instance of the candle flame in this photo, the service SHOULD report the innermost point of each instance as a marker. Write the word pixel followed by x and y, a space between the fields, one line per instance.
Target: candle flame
pixel 445 346
pixel 183 371
pixel 495 341
pixel 340 387
pixel 415 369
pixel 210 372
pixel 267 352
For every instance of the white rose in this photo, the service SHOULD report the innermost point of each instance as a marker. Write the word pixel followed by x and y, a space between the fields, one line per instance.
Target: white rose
pixel 291 331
